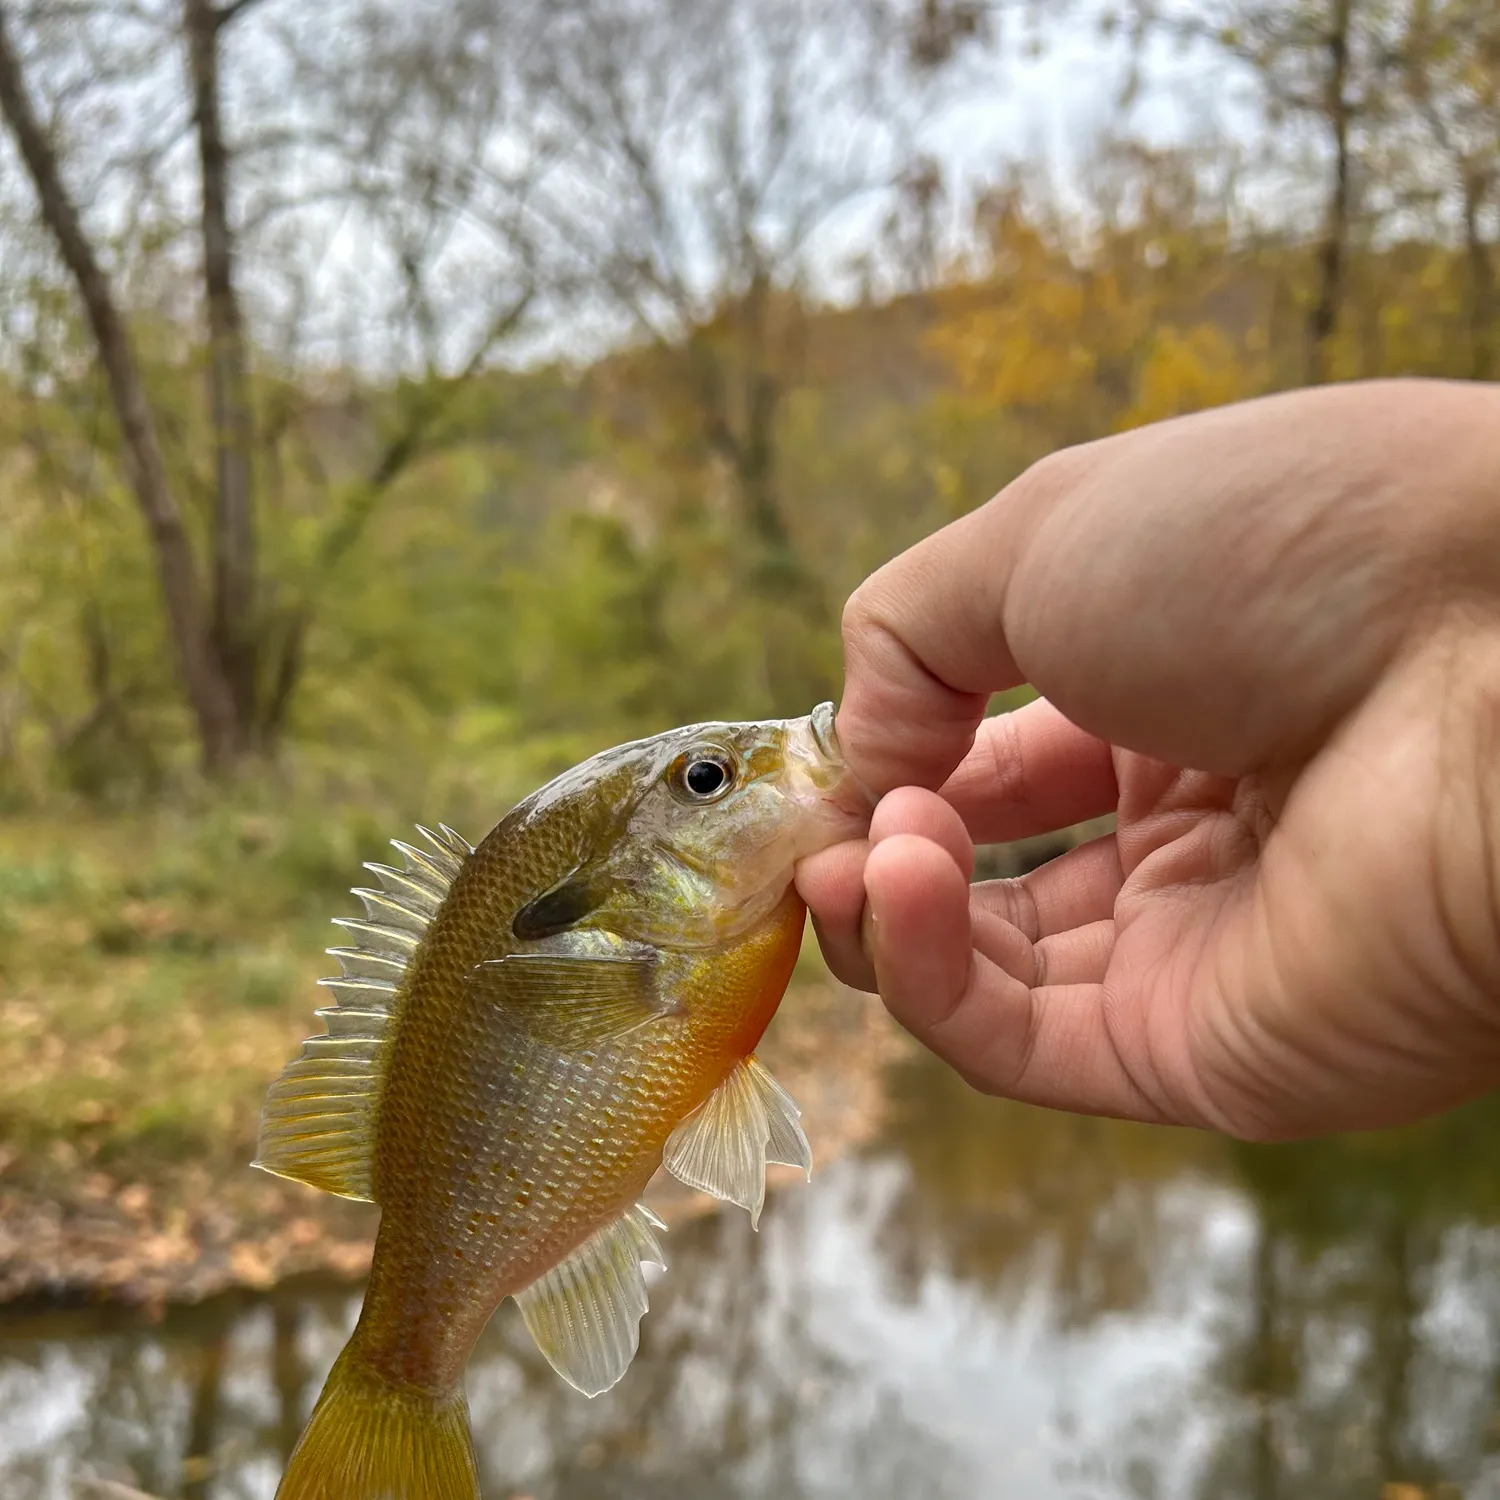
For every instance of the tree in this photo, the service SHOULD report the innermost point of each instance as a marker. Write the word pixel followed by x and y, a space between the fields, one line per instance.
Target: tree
pixel 238 623
pixel 202 666
pixel 1132 305
pixel 705 151
pixel 1328 65
pixel 1453 75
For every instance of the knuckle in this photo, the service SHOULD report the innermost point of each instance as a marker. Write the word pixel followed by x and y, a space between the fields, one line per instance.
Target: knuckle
pixel 1011 900
pixel 1006 762
pixel 1054 474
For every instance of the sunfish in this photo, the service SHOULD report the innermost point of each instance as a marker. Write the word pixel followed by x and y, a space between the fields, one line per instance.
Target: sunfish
pixel 524 1032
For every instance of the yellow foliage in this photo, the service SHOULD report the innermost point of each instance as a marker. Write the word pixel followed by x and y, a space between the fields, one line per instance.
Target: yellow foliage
pixel 1188 370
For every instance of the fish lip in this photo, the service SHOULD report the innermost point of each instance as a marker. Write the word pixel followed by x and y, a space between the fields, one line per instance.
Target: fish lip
pixel 820 777
pixel 850 794
pixel 825 732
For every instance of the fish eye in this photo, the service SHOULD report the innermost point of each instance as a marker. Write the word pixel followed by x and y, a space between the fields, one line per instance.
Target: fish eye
pixel 702 775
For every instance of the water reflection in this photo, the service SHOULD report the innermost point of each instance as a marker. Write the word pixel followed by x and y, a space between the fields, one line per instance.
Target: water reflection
pixel 989 1301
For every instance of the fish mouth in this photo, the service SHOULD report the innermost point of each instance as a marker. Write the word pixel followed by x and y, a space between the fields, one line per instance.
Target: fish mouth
pixel 824 732
pixel 820 780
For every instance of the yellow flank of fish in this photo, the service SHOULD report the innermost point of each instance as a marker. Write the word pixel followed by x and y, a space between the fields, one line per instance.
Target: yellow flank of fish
pixel 523 1033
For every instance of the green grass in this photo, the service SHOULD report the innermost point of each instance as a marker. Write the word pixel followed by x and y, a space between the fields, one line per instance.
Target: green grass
pixel 157 969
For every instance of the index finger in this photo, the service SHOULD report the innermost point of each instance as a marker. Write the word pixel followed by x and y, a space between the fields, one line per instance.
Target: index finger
pixel 924 648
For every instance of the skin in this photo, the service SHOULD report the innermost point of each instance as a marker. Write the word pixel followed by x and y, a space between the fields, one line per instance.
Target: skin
pixel 1268 639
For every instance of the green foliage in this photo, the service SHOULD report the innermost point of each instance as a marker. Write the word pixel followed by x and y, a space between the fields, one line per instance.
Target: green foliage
pixel 561 567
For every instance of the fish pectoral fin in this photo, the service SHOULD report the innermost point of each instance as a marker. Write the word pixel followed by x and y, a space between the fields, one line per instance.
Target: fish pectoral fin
pixel 585 1313
pixel 570 1001
pixel 723 1146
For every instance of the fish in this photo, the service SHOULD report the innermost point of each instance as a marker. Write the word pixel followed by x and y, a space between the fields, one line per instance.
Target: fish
pixel 524 1032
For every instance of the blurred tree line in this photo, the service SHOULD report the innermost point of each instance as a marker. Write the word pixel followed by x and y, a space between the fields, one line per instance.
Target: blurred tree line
pixel 296 470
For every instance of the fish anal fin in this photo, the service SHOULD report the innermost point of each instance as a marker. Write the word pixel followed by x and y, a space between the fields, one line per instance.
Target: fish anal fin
pixel 722 1147
pixel 570 1001
pixel 585 1313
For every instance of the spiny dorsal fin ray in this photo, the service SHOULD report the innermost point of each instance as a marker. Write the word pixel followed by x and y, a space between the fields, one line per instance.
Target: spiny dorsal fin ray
pixel 723 1146
pixel 452 848
pixel 393 911
pixel 585 1313
pixel 437 869
pixel 380 940
pixel 318 1124
pixel 361 964
pixel 410 889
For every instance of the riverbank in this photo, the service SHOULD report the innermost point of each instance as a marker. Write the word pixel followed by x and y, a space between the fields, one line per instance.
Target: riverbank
pixel 180 1230
pixel 158 969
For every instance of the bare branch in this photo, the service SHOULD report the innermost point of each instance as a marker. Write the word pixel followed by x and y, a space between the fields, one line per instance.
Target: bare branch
pixel 400 450
pixel 109 1489
pixel 232 11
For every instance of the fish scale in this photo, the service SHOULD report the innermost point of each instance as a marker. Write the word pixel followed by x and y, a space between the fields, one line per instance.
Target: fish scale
pixel 525 1032
pixel 612 1135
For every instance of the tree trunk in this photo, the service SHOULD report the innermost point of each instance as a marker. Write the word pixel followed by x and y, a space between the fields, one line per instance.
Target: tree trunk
pixel 1484 306
pixel 204 1414
pixel 198 665
pixel 1395 1315
pixel 234 549
pixel 1323 318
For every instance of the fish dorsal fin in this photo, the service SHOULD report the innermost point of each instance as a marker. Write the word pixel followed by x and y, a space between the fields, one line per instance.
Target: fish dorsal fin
pixel 585 1313
pixel 318 1124
pixel 723 1146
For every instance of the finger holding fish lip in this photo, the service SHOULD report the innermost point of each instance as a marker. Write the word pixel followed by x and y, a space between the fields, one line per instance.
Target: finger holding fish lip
pixel 833 881
pixel 1030 771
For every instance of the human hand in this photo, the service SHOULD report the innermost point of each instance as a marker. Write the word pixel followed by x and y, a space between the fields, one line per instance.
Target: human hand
pixel 1268 639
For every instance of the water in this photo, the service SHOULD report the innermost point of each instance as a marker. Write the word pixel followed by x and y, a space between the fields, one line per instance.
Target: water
pixel 988 1301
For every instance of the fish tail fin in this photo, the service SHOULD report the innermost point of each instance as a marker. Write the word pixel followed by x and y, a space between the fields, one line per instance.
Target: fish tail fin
pixel 369 1440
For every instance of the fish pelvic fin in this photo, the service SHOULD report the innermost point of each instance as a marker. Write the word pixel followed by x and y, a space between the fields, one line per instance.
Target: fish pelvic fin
pixel 723 1146
pixel 368 1440
pixel 318 1123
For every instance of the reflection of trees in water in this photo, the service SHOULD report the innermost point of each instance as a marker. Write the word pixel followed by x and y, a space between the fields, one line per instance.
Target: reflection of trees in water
pixel 289 1374
pixel 207 1404
pixel 1326 1379
pixel 1361 1240
pixel 728 1386
pixel 996 1189
pixel 1354 1319
pixel 159 1411
pixel 203 1415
